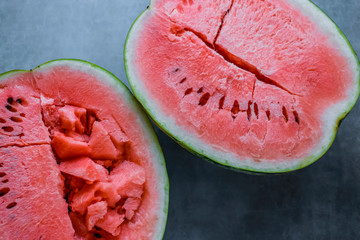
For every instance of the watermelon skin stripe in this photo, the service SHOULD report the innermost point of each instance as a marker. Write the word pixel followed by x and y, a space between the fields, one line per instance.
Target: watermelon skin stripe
pixel 196 146
pixel 146 127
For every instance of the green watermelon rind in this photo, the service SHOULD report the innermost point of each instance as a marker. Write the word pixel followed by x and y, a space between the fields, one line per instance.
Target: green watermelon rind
pixel 12 73
pixel 132 103
pixel 351 100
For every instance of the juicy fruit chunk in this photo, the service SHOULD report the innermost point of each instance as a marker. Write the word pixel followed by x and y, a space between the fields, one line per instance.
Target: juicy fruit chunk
pixel 130 206
pixel 279 86
pixel 100 143
pixel 95 212
pixel 66 147
pixel 128 179
pixel 73 118
pixel 117 136
pixel 111 222
pixel 94 192
pixel 84 168
pixel 78 222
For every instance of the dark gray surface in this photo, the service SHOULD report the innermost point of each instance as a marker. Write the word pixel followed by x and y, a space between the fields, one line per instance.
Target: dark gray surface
pixel 206 202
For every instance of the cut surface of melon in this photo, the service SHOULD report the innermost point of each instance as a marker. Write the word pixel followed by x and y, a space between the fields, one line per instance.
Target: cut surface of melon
pixel 255 85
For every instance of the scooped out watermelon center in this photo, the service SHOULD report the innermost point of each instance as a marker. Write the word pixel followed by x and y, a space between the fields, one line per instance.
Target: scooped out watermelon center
pixel 103 190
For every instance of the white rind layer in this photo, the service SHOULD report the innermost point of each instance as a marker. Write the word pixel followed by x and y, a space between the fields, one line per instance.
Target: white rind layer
pixel 331 118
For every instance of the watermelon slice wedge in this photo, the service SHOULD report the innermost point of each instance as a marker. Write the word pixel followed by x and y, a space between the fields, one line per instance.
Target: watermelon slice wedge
pixel 79 158
pixel 255 85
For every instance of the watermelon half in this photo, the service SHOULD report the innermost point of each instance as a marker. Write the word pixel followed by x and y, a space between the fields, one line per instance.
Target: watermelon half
pixel 79 159
pixel 256 85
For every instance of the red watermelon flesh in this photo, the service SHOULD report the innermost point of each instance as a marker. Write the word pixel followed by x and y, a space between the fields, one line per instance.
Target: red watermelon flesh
pixel 24 114
pixel 75 172
pixel 84 168
pixel 31 195
pixel 257 85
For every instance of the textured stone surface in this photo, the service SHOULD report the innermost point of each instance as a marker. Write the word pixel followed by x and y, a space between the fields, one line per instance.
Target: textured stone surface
pixel 206 202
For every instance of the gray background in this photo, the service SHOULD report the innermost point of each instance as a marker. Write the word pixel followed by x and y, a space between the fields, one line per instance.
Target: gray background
pixel 206 202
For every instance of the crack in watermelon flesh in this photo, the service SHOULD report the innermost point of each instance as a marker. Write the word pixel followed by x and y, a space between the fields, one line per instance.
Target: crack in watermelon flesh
pixel 253 78
pixel 239 62
pixel 67 171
